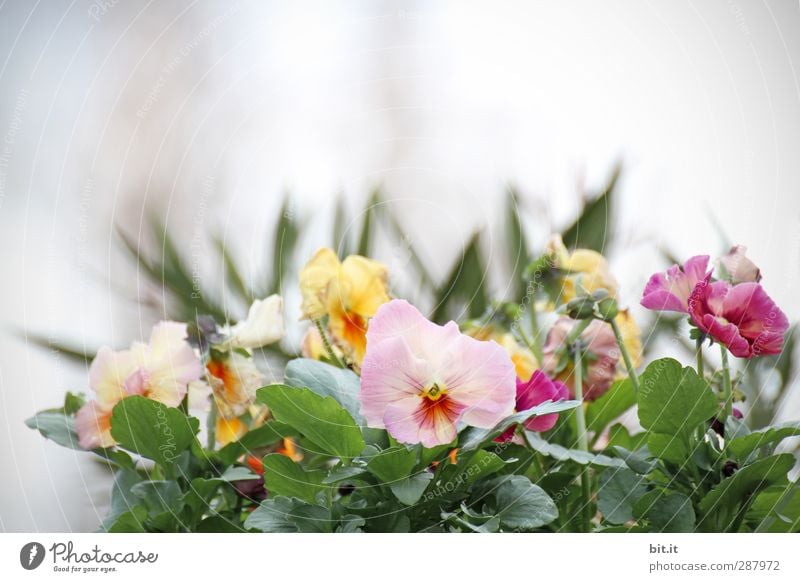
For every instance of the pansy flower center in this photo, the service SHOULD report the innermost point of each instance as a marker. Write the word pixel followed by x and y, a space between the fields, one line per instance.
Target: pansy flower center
pixel 434 392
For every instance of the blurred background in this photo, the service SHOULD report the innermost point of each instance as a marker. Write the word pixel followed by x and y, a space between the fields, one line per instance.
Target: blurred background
pixel 245 130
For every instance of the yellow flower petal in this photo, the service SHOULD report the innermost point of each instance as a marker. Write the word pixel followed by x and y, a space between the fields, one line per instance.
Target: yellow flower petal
pixel 362 288
pixel 230 430
pixel 314 280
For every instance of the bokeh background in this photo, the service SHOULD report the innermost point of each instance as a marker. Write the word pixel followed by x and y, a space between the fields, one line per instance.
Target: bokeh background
pixel 218 117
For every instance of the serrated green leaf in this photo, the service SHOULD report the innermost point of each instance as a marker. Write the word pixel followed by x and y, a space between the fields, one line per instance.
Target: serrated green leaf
pixel 674 400
pixel 619 490
pixel 282 476
pixel 152 430
pixel 321 420
pixel 518 503
pixel 393 464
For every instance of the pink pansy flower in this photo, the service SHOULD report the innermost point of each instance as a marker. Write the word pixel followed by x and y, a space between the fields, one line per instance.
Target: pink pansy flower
pixel 160 370
pixel 670 291
pixel 535 391
pixel 742 317
pixel 420 380
pixel 599 368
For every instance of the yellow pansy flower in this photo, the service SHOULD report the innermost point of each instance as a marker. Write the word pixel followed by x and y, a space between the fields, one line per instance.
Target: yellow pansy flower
pixel 348 292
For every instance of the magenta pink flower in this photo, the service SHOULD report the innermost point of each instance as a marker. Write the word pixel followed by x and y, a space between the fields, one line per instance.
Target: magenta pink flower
pixel 742 317
pixel 540 388
pixel 420 380
pixel 670 291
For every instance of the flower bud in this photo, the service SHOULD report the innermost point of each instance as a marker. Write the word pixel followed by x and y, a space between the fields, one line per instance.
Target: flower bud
pixel 581 308
pixel 607 309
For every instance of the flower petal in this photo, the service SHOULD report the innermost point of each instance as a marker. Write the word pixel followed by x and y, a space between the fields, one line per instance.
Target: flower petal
pixel 390 373
pixel 108 372
pixel 93 425
pixel 314 279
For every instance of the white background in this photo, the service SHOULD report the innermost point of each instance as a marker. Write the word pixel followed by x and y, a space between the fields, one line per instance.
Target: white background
pixel 209 111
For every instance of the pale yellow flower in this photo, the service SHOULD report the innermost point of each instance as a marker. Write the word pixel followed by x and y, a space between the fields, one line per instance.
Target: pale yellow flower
pixel 586 269
pixel 234 380
pixel 349 293
pixel 263 326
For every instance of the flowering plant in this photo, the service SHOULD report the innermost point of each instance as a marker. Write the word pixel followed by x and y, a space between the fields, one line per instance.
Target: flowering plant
pixel 519 419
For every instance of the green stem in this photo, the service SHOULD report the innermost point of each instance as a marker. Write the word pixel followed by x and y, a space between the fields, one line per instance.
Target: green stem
pixel 537 341
pixel 625 356
pixel 700 363
pixel 727 389
pixel 583 440
pixel 327 343
pixel 576 331
pixel 211 425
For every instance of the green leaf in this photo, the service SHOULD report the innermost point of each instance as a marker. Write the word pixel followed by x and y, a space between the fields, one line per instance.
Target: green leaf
pixel 199 495
pixel 321 420
pixel 132 521
pixel 233 275
pixel 238 474
pixel 283 476
pixel 365 237
pixel 409 490
pixel 747 481
pixel 778 508
pixel 473 438
pixel 393 464
pixel 674 400
pixel 618 435
pixel 619 490
pixel 518 503
pixel 519 255
pixel 671 513
pixel 668 448
pixel 639 461
pixel 744 445
pixel 122 499
pixel 601 412
pixel 465 283
pixel 592 229
pixel 57 427
pixel 284 515
pixel 219 524
pixel 286 234
pixel 341 384
pixel 152 430
pixel 159 496
pixel 560 453
pixel 340 473
pixel 73 403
